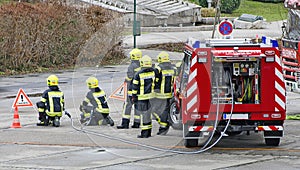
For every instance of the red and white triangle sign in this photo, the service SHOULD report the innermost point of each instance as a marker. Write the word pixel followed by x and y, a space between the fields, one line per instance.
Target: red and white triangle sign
pixel 120 93
pixel 22 99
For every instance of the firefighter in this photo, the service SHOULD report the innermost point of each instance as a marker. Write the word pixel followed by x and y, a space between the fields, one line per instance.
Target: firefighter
pixel 163 91
pixel 97 113
pixel 135 56
pixel 51 104
pixel 142 91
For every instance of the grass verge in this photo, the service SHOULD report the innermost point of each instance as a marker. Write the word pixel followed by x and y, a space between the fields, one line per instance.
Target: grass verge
pixel 269 11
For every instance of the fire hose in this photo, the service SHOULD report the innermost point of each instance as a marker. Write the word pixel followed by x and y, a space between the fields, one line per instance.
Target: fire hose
pixel 202 149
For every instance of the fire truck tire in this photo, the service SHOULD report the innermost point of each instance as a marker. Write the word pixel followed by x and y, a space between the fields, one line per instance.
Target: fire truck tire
pixel 175 116
pixel 272 141
pixel 190 143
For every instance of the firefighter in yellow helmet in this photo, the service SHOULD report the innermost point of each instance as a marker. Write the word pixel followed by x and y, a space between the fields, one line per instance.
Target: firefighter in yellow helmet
pixel 135 56
pixel 52 104
pixel 95 107
pixel 163 91
pixel 142 91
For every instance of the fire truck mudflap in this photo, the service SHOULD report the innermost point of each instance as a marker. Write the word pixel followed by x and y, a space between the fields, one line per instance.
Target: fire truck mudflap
pixel 231 86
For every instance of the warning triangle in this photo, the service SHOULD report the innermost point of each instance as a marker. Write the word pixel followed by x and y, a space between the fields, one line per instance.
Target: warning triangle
pixel 22 99
pixel 120 93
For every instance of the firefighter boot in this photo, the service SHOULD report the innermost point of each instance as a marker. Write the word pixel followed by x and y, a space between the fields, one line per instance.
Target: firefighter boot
pixel 124 125
pixel 135 125
pixel 41 122
pixel 163 130
pixel 42 119
pixel 145 134
pixel 110 121
pixel 149 132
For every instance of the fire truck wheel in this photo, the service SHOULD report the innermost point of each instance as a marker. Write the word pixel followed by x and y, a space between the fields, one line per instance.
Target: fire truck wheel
pixel 175 116
pixel 272 141
pixel 190 143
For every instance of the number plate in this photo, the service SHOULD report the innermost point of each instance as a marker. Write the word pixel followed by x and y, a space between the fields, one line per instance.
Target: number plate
pixel 236 116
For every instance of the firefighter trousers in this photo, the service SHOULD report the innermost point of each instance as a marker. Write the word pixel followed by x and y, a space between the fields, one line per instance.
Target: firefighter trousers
pixel 127 111
pixel 143 107
pixel 160 110
pixel 94 117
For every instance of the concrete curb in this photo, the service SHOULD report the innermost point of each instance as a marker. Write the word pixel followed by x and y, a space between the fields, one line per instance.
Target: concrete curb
pixel 173 29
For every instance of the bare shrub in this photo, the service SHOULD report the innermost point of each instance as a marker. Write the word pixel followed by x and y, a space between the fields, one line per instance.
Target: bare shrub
pixel 52 35
pixel 104 45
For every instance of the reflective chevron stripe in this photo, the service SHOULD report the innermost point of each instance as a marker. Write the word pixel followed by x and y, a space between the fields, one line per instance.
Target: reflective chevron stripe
pixel 269 128
pixel 201 128
pixel 279 87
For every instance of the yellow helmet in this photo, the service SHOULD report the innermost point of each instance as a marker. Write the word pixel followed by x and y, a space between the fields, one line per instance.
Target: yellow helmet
pixel 163 57
pixel 92 82
pixel 146 61
pixel 52 80
pixel 135 54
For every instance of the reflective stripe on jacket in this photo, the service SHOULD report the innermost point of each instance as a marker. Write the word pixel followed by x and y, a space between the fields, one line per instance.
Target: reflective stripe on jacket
pixel 54 101
pixel 129 87
pixel 143 84
pixel 165 80
pixel 97 98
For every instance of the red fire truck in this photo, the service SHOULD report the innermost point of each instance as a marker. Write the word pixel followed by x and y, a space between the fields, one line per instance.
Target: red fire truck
pixel 230 86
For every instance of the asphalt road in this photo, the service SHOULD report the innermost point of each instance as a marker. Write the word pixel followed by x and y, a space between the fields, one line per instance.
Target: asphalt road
pixel 73 146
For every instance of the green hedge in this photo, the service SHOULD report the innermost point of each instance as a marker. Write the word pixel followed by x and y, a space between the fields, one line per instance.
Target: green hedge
pixel 227 6
pixel 275 1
